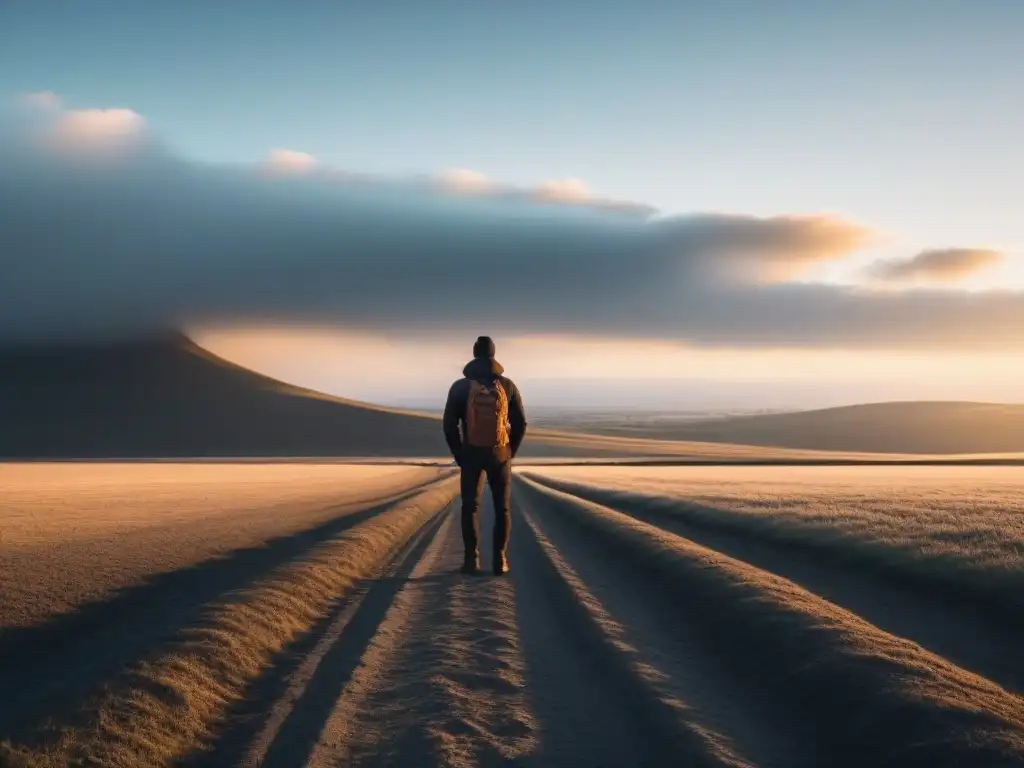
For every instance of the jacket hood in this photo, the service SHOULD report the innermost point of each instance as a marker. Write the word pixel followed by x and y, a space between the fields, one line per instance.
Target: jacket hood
pixel 482 368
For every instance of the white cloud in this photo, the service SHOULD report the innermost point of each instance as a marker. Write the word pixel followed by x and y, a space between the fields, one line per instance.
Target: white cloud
pixel 465 181
pixel 97 134
pixel 288 161
pixel 90 124
pixel 569 190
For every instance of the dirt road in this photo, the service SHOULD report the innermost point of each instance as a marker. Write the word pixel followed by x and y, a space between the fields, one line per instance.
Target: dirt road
pixel 615 642
pixel 623 636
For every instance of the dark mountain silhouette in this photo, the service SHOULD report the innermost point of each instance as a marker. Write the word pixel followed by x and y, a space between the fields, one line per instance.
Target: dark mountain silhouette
pixel 167 397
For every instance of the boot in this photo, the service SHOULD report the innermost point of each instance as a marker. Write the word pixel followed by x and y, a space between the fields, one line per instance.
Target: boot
pixel 471 563
pixel 500 563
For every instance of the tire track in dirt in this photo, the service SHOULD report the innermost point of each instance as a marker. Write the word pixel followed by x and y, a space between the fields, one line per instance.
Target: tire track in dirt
pixel 611 642
pixel 441 681
pixel 846 692
pixel 61 664
pixel 284 708
pixel 490 671
pixel 961 633
pixel 168 707
pixel 618 704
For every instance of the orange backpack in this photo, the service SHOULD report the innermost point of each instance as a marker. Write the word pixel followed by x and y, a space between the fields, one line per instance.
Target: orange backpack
pixel 487 415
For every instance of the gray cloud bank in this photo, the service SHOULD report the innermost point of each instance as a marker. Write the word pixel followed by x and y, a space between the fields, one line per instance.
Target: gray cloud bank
pixel 104 231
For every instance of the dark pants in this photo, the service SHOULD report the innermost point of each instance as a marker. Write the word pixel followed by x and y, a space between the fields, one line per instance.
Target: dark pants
pixel 498 472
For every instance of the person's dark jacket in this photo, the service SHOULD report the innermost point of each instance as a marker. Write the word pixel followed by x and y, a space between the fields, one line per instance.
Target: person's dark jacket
pixel 483 369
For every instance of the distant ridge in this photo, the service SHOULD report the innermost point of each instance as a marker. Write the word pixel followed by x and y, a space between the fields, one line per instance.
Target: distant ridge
pixel 903 427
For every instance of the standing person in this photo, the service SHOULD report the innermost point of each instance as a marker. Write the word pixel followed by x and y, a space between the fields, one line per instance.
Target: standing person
pixel 490 409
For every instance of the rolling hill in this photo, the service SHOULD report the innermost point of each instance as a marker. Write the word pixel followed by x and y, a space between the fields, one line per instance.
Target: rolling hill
pixel 915 427
pixel 167 397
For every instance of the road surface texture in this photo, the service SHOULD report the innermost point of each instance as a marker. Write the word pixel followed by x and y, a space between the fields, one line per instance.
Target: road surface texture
pixel 616 642
pixel 623 636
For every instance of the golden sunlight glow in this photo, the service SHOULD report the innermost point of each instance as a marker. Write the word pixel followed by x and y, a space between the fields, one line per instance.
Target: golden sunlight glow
pixel 359 365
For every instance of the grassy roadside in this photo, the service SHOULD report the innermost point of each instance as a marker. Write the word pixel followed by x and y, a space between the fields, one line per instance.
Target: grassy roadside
pixel 979 560
pixel 859 691
pixel 162 709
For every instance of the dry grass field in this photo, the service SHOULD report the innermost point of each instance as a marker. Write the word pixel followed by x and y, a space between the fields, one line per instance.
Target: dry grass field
pixel 954 528
pixel 138 599
pixel 302 614
pixel 77 533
